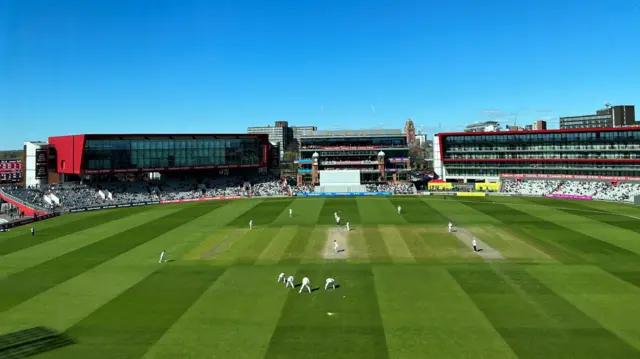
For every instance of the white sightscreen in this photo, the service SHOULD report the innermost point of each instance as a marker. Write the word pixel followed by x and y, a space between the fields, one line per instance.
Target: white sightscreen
pixel 347 177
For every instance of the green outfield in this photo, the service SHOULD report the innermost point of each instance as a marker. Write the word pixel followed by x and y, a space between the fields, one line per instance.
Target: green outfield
pixel 554 279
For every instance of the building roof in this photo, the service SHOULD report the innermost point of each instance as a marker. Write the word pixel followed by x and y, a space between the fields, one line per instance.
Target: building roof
pixel 525 132
pixel 356 133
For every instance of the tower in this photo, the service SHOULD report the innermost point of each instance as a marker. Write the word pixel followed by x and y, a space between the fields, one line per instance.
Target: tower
pixel 410 131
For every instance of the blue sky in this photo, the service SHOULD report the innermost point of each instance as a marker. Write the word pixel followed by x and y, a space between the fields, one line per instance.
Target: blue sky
pixel 78 66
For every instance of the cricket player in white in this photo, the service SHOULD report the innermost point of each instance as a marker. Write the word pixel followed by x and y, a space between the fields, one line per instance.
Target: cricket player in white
pixel 289 282
pixel 305 284
pixel 251 224
pixel 290 212
pixel 474 243
pixel 348 228
pixel 399 209
pixel 450 227
pixel 337 221
pixel 335 214
pixel 162 256
pixel 336 247
pixel 329 282
pixel 281 278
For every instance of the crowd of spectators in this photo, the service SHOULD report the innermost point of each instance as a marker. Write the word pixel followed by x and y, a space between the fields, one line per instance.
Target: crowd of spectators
pixel 80 195
pixel 397 188
pixel 598 190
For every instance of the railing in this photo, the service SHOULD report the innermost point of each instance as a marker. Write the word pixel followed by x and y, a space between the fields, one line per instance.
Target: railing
pixel 18 200
pixel 328 148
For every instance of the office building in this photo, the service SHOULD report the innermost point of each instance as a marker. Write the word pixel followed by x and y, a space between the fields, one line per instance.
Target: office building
pixel 283 136
pixel 612 116
pixel 609 151
pixel 487 126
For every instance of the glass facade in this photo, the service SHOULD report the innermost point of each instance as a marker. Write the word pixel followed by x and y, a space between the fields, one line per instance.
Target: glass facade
pixel 115 154
pixel 523 152
pixel 584 145
pixel 310 143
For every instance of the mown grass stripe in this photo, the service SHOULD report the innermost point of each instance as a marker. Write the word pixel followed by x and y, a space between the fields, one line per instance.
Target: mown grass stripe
pixel 277 246
pixel 598 294
pixel 377 251
pixel 346 208
pixel 47 224
pixel 539 233
pixel 23 285
pixel 229 312
pixel 614 219
pixel 355 329
pixel 259 242
pixel 297 246
pixel 535 321
pixel 375 211
pixel 82 223
pixel 603 243
pixel 422 325
pixel 263 214
pixel 416 211
pixel 128 325
pixel 32 256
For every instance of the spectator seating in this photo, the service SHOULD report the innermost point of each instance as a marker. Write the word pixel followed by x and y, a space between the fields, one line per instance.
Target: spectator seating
pixel 598 190
pixel 79 195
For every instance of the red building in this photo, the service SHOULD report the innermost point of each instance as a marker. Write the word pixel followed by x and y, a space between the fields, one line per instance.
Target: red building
pixel 152 153
pixel 485 156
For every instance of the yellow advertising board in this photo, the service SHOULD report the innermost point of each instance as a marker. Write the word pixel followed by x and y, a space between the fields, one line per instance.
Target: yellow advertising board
pixel 440 185
pixel 471 194
pixel 487 186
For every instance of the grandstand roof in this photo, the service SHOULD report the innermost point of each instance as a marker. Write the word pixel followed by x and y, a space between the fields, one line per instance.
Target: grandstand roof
pixel 156 135
pixel 525 132
pixel 356 133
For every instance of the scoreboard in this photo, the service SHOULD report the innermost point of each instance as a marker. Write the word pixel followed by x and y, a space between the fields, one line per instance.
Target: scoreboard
pixel 10 171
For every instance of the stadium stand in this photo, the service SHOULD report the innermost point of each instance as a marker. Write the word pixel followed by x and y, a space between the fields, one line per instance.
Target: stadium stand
pixel 598 190
pixel 76 195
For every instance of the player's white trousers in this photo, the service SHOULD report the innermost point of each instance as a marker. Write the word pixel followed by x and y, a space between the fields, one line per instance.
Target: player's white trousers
pixel 303 287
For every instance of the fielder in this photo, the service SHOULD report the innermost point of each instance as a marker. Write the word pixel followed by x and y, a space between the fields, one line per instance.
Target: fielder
pixel 399 209
pixel 305 284
pixel 348 228
pixel 251 224
pixel 289 282
pixel 329 282
pixel 336 247
pixel 450 227
pixel 290 212
pixel 475 248
pixel 33 231
pixel 281 277
pixel 162 256
pixel 337 221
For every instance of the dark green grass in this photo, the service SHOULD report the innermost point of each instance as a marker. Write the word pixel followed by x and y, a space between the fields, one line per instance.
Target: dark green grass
pixel 376 248
pixel 297 246
pixel 347 209
pixel 536 322
pixel 253 251
pixel 528 316
pixel 355 331
pixel 630 276
pixel 416 211
pixel 130 324
pixel 560 242
pixel 26 240
pixel 614 219
pixel 263 214
pixel 23 285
